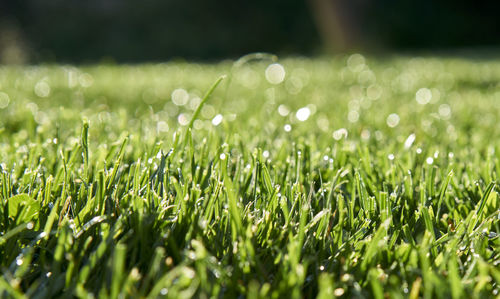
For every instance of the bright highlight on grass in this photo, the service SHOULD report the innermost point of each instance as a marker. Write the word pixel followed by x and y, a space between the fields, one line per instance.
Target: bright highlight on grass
pixel 275 73
pixel 392 120
pixel 345 176
pixel 303 113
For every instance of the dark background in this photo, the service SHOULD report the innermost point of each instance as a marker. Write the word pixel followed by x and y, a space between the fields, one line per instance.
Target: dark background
pixel 76 31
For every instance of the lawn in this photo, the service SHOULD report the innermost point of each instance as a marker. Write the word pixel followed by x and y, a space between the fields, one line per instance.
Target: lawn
pixel 261 178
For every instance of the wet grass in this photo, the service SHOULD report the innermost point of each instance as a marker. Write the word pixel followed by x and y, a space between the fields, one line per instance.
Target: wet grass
pixel 346 177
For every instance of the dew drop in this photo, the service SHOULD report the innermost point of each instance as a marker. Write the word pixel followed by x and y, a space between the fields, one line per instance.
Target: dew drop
pixel 409 141
pixel 275 73
pixel 283 110
pixel 303 113
pixel 162 126
pixel 423 96
pixel 339 292
pixel 42 89
pixel 392 120
pixel 180 97
pixel 444 111
pixel 340 133
pixel 183 119
pixel 353 116
pixel 356 62
pixel 217 120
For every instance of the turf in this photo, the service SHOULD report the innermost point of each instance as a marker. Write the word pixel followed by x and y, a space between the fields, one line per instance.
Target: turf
pixel 349 176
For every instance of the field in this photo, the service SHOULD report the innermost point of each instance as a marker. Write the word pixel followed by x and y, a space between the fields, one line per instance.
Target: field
pixel 260 178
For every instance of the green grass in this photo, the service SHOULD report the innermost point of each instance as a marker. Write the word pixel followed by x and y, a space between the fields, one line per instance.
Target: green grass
pixel 111 188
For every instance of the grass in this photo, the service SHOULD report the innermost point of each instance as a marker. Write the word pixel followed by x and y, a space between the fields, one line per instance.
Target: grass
pixel 354 177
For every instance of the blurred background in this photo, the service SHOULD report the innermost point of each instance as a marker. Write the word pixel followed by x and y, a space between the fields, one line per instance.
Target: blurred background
pixel 129 31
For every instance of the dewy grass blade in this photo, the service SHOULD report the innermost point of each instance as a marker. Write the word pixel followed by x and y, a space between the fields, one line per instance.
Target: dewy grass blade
pixel 234 211
pixel 479 210
pixel 85 148
pixel 271 191
pixel 442 192
pixel 204 100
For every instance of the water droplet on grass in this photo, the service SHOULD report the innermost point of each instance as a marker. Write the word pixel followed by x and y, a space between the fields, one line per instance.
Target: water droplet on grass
pixel 340 133
pixel 353 116
pixel 373 92
pixel 42 89
pixel 365 134
pixel 194 103
pixel 356 62
pixel 409 141
pixel 180 97
pixel 339 292
pixel 444 111
pixel 303 113
pixel 162 126
pixel 275 73
pixel 392 120
pixel 283 110
pixel 423 96
pixel 208 111
pixel 366 77
pixel 183 119
pixel 198 124
pixel 217 120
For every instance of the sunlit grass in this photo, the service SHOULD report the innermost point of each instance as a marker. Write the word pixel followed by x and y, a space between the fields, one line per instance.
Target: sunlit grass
pixel 346 176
